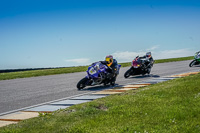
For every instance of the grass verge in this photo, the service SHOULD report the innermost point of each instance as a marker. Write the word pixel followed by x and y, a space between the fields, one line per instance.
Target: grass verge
pixel 44 72
pixel 169 107
pixel 174 59
pixel 34 73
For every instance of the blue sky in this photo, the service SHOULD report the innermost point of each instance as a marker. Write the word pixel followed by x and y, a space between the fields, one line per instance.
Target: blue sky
pixel 61 33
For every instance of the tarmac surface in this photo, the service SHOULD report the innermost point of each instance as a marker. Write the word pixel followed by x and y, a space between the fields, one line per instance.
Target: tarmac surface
pixel 25 92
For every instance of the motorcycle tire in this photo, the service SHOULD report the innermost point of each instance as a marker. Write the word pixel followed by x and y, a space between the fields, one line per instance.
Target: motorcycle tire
pixel 127 73
pixel 192 63
pixel 149 71
pixel 82 83
pixel 112 82
pixel 105 82
pixel 143 73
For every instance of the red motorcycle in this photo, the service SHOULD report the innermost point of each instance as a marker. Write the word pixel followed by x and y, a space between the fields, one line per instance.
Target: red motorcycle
pixel 139 66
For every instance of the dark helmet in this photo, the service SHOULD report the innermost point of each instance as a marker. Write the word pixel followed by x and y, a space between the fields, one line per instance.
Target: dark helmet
pixel 148 54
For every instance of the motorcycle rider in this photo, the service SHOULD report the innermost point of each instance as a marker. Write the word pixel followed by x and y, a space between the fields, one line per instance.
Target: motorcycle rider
pixel 148 61
pixel 112 66
pixel 198 53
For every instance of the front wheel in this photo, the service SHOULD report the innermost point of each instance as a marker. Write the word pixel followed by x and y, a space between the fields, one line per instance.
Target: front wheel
pixel 192 63
pixel 82 83
pixel 127 73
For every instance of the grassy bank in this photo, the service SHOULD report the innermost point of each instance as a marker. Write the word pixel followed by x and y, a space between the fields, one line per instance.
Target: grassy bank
pixel 44 72
pixel 34 73
pixel 174 59
pixel 168 107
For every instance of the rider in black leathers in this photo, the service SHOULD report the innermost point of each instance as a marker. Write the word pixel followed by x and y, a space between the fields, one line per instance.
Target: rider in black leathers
pixel 148 61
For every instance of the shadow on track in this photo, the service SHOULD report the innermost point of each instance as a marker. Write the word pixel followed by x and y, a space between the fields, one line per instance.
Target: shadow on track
pixel 102 87
pixel 196 66
pixel 144 76
pixel 98 88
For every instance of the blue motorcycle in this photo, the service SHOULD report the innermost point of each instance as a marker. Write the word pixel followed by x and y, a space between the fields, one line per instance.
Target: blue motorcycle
pixel 98 74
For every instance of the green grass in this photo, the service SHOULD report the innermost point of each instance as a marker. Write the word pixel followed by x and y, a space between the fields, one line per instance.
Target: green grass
pixel 34 73
pixel 174 59
pixel 44 72
pixel 169 107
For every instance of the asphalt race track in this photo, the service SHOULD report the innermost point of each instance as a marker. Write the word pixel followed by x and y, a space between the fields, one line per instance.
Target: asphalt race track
pixel 20 93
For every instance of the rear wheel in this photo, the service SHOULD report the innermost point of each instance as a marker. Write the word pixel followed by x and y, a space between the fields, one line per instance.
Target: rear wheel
pixel 112 82
pixel 148 70
pixel 82 83
pixel 192 63
pixel 105 82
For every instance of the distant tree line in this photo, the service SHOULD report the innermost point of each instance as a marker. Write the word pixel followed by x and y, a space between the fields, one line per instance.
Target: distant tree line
pixel 19 70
